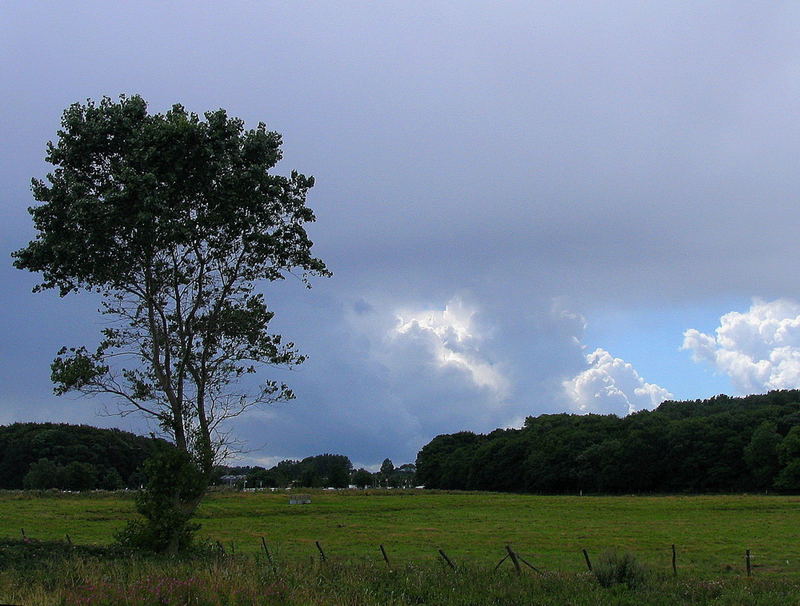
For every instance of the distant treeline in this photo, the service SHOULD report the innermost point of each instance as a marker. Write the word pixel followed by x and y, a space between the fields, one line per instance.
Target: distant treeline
pixel 722 444
pixel 319 471
pixel 71 457
pixel 80 457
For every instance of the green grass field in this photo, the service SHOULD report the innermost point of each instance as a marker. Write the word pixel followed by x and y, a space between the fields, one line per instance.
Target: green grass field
pixel 711 533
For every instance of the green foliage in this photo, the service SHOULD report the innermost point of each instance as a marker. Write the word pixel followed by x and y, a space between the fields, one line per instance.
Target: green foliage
pixel 173 219
pixel 113 455
pixel 80 476
pixel 110 479
pixel 44 474
pixel 263 478
pixel 362 478
pixel 789 456
pixel 619 568
pixel 761 454
pixel 75 476
pixel 446 460
pixel 386 471
pixel 325 470
pixel 314 472
pixel 174 487
pixel 718 445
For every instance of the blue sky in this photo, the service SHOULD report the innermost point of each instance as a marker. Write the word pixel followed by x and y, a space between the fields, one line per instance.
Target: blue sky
pixel 643 335
pixel 538 208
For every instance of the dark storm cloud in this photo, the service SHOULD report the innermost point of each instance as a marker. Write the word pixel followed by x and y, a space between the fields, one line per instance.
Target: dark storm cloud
pixel 614 155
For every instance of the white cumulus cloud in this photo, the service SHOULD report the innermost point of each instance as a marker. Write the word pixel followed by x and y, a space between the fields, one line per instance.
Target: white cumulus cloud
pixel 759 349
pixel 453 337
pixel 611 385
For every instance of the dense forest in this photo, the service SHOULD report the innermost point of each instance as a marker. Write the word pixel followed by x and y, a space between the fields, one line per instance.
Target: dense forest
pixel 722 444
pixel 71 457
pixel 718 445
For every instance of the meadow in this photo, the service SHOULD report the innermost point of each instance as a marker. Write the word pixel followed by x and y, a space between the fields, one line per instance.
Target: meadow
pixel 711 534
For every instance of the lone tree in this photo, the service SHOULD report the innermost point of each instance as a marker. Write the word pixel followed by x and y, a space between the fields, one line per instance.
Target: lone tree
pixel 174 220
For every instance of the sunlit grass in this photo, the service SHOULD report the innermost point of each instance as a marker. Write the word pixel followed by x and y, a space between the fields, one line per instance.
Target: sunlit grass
pixel 711 533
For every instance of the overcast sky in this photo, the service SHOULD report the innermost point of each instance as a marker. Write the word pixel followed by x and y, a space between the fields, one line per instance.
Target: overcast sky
pixel 529 207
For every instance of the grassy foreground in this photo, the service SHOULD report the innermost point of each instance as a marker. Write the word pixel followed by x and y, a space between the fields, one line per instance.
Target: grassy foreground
pixel 91 579
pixel 711 534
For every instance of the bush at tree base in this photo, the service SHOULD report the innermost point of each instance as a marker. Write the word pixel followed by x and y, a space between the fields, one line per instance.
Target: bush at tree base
pixel 174 487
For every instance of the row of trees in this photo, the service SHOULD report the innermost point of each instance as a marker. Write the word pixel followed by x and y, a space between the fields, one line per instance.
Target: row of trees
pixel 718 445
pixel 81 457
pixel 320 471
pixel 75 476
pixel 71 457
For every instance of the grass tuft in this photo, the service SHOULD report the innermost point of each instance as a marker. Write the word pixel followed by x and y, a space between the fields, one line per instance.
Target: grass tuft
pixel 619 568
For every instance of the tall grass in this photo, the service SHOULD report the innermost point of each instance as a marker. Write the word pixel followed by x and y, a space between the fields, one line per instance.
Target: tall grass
pixel 34 576
pixel 620 568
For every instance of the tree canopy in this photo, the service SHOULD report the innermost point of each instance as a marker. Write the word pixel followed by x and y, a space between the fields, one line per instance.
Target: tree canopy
pixel 71 457
pixel 175 220
pixel 718 445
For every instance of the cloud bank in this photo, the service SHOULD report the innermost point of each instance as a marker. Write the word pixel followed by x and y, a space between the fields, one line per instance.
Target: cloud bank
pixel 758 349
pixel 611 385
pixel 452 338
pixel 544 151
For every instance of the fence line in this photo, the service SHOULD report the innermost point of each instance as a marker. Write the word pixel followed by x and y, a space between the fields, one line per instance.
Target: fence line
pixel 512 555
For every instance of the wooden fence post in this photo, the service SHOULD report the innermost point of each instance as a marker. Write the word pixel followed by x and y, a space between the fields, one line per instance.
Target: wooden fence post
pixel 266 551
pixel 528 564
pixel 588 561
pixel 747 560
pixel 674 564
pixel 514 559
pixel 385 557
pixel 322 553
pixel 446 559
pixel 505 557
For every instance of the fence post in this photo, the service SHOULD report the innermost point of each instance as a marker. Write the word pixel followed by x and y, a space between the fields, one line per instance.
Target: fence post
pixel 588 561
pixel 747 560
pixel 674 564
pixel 528 564
pixel 266 551
pixel 322 553
pixel 514 559
pixel 385 557
pixel 446 559
pixel 505 557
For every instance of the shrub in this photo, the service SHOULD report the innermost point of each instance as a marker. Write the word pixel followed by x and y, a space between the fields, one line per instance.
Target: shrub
pixel 619 568
pixel 44 474
pixel 80 476
pixel 173 490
